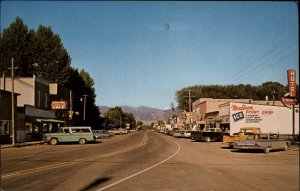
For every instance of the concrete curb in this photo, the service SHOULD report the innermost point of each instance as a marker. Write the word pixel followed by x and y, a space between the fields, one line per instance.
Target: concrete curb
pixel 17 145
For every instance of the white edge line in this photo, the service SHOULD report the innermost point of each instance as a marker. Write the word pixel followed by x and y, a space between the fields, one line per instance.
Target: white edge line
pixel 140 172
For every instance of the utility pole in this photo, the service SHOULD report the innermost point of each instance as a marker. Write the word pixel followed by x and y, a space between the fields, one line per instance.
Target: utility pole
pixel 12 101
pixel 273 94
pixel 71 108
pixel 190 103
pixel 190 100
pixel 120 121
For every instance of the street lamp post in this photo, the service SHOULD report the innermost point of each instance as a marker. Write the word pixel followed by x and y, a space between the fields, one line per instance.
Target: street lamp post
pixel 84 106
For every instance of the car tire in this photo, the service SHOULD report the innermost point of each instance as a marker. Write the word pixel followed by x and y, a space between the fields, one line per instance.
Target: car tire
pixel 285 147
pixel 53 141
pixel 267 150
pixel 82 141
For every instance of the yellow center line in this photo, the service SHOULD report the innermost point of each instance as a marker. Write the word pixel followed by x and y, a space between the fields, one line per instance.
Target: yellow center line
pixel 63 164
pixel 63 151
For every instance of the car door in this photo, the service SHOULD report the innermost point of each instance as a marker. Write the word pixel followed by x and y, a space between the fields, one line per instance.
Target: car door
pixel 66 136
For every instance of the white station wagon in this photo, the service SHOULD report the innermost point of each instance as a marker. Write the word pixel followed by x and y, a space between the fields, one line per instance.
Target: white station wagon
pixel 70 134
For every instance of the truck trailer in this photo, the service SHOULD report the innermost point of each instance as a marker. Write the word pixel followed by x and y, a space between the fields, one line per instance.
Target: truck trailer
pixel 269 118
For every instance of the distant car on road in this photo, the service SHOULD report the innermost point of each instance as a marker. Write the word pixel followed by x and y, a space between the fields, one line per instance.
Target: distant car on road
pixel 178 134
pixel 266 143
pixel 187 134
pixel 70 134
pixel 101 134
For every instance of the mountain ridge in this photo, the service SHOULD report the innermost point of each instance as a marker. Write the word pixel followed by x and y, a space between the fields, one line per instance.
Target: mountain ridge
pixel 142 113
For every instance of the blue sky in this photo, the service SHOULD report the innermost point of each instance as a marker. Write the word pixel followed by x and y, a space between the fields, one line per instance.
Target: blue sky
pixel 141 53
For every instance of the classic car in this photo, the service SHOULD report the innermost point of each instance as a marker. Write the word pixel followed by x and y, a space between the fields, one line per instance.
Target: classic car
pixel 187 134
pixel 101 134
pixel 266 142
pixel 178 134
pixel 70 134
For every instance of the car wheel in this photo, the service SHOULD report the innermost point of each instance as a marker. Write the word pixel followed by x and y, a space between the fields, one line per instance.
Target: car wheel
pixel 82 141
pixel 267 150
pixel 285 148
pixel 53 141
pixel 207 139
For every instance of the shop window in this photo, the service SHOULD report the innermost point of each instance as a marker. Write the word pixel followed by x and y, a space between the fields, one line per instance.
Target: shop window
pixel 28 128
pixel 36 128
pixel 38 98
pixel 46 101
pixel 5 127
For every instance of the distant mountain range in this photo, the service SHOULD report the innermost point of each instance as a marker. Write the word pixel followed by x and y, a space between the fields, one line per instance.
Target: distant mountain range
pixel 143 113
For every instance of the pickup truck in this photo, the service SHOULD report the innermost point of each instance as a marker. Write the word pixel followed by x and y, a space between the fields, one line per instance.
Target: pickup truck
pixel 266 142
pixel 207 136
pixel 245 133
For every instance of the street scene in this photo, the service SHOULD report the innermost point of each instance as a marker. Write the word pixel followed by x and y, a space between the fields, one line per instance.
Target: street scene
pixel 142 95
pixel 147 160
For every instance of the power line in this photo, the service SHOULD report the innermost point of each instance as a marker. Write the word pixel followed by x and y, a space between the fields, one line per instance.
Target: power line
pixel 262 64
pixel 263 58
pixel 266 36
pixel 269 66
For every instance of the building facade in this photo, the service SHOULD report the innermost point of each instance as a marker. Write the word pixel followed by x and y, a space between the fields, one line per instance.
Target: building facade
pixel 6 116
pixel 34 116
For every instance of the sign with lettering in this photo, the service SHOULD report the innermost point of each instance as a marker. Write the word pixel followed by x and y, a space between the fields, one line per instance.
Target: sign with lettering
pixel 53 89
pixel 269 118
pixel 58 105
pixel 238 116
pixel 289 101
pixel 292 82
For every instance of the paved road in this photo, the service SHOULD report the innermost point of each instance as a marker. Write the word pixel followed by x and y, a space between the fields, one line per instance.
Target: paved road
pixel 147 161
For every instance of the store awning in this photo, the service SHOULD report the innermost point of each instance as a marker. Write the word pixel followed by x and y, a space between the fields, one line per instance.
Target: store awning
pixel 49 121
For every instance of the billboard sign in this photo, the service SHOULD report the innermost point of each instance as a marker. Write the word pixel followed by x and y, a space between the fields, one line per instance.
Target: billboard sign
pixel 292 82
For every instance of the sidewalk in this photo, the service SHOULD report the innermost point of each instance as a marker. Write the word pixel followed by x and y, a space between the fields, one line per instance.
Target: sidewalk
pixel 22 144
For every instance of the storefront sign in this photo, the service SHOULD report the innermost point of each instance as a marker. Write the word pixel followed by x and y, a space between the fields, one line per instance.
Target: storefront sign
pixel 289 101
pixel 292 82
pixel 53 89
pixel 58 105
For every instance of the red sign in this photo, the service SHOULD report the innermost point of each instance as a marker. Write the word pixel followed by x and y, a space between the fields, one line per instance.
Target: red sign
pixel 292 82
pixel 58 105
pixel 289 101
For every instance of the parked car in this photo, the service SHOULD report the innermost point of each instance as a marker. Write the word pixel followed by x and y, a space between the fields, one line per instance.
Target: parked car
pixel 101 134
pixel 266 143
pixel 187 134
pixel 70 134
pixel 178 134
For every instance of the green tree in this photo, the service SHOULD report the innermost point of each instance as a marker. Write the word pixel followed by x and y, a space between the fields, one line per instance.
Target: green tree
pixel 230 92
pixel 117 118
pixel 15 42
pixel 52 58
pixel 78 83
